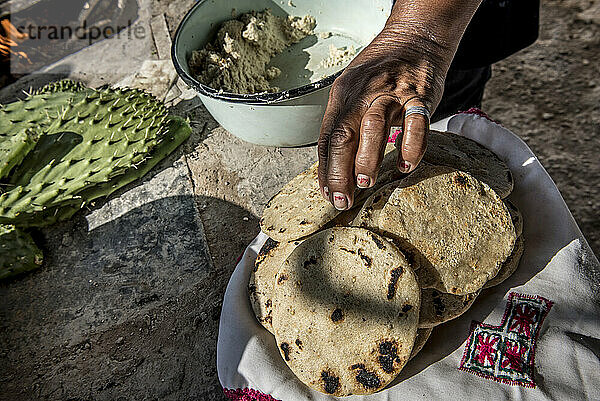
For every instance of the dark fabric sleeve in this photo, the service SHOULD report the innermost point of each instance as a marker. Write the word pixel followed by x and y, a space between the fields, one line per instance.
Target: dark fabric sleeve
pixel 498 29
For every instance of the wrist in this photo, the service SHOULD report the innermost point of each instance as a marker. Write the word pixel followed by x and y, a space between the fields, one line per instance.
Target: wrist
pixel 440 23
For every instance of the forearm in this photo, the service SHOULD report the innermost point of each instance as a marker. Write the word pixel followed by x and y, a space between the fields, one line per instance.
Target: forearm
pixel 440 23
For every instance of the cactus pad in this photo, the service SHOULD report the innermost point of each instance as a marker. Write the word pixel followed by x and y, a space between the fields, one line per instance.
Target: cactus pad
pixel 178 131
pixel 13 149
pixel 18 252
pixel 92 143
pixel 66 85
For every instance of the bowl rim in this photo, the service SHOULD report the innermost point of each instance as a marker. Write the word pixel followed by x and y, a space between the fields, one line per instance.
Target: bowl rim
pixel 251 98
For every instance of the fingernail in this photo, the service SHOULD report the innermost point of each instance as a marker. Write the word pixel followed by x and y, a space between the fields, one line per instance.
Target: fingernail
pixel 326 192
pixel 405 166
pixel 362 181
pixel 340 202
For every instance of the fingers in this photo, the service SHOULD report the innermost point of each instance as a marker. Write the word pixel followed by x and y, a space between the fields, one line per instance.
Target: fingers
pixel 414 138
pixel 323 150
pixel 374 131
pixel 343 143
pixel 337 147
pixel 351 148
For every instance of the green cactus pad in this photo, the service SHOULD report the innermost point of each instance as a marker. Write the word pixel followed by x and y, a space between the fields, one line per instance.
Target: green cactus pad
pixel 66 85
pixel 94 136
pixel 178 130
pixel 18 252
pixel 92 142
pixel 13 149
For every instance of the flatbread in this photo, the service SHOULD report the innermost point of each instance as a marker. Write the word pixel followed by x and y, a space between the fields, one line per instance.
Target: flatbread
pixel 345 311
pixel 461 153
pixel 298 209
pixel 438 307
pixel 456 151
pixel 368 216
pixel 260 286
pixel 459 225
pixel 516 217
pixel 423 335
pixel 445 149
pixel 510 265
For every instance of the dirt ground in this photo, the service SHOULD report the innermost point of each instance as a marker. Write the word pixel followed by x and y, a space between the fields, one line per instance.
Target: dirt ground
pixel 549 94
pixel 164 347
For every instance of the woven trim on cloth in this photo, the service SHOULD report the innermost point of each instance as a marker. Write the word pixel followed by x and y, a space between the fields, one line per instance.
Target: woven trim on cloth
pixel 505 353
pixel 478 112
pixel 247 394
pixel 394 132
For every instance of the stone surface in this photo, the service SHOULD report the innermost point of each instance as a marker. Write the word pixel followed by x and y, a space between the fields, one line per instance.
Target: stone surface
pixel 154 76
pixel 161 36
pixel 111 59
pixel 226 167
pixel 143 248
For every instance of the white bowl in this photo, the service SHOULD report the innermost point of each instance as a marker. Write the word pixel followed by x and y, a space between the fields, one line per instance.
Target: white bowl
pixel 291 117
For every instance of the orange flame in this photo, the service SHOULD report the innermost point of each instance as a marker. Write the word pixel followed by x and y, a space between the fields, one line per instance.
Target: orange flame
pixel 11 38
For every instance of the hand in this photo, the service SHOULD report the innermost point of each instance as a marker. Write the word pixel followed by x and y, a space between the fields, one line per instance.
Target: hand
pixel 404 66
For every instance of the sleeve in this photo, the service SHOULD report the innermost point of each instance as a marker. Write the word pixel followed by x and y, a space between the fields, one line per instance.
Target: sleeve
pixel 498 29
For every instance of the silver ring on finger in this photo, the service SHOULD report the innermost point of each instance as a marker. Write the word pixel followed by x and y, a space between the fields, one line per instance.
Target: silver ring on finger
pixel 422 110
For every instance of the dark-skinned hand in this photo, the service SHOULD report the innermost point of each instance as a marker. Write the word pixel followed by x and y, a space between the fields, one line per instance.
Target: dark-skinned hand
pixel 404 66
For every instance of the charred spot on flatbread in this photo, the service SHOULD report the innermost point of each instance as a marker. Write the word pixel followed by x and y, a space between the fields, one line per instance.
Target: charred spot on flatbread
pixel 331 383
pixel 285 348
pixel 378 242
pixel 268 246
pixel 281 278
pixel 311 261
pixel 438 304
pixel 396 273
pixel 461 180
pixel 368 261
pixel 337 315
pixel 367 379
pixel 388 351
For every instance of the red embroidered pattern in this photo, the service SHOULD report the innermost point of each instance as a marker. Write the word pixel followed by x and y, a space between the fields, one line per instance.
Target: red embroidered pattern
pixel 514 356
pixel 247 394
pixel 505 353
pixel 396 131
pixel 523 321
pixel 485 350
pixel 480 113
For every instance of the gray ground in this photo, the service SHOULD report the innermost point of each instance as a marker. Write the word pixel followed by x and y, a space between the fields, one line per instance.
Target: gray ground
pixel 549 94
pixel 128 302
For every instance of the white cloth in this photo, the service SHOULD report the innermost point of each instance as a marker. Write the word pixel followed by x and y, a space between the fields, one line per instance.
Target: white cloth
pixel 557 264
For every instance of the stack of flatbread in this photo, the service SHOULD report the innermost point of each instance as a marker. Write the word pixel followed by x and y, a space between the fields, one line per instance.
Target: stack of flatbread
pixel 351 297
